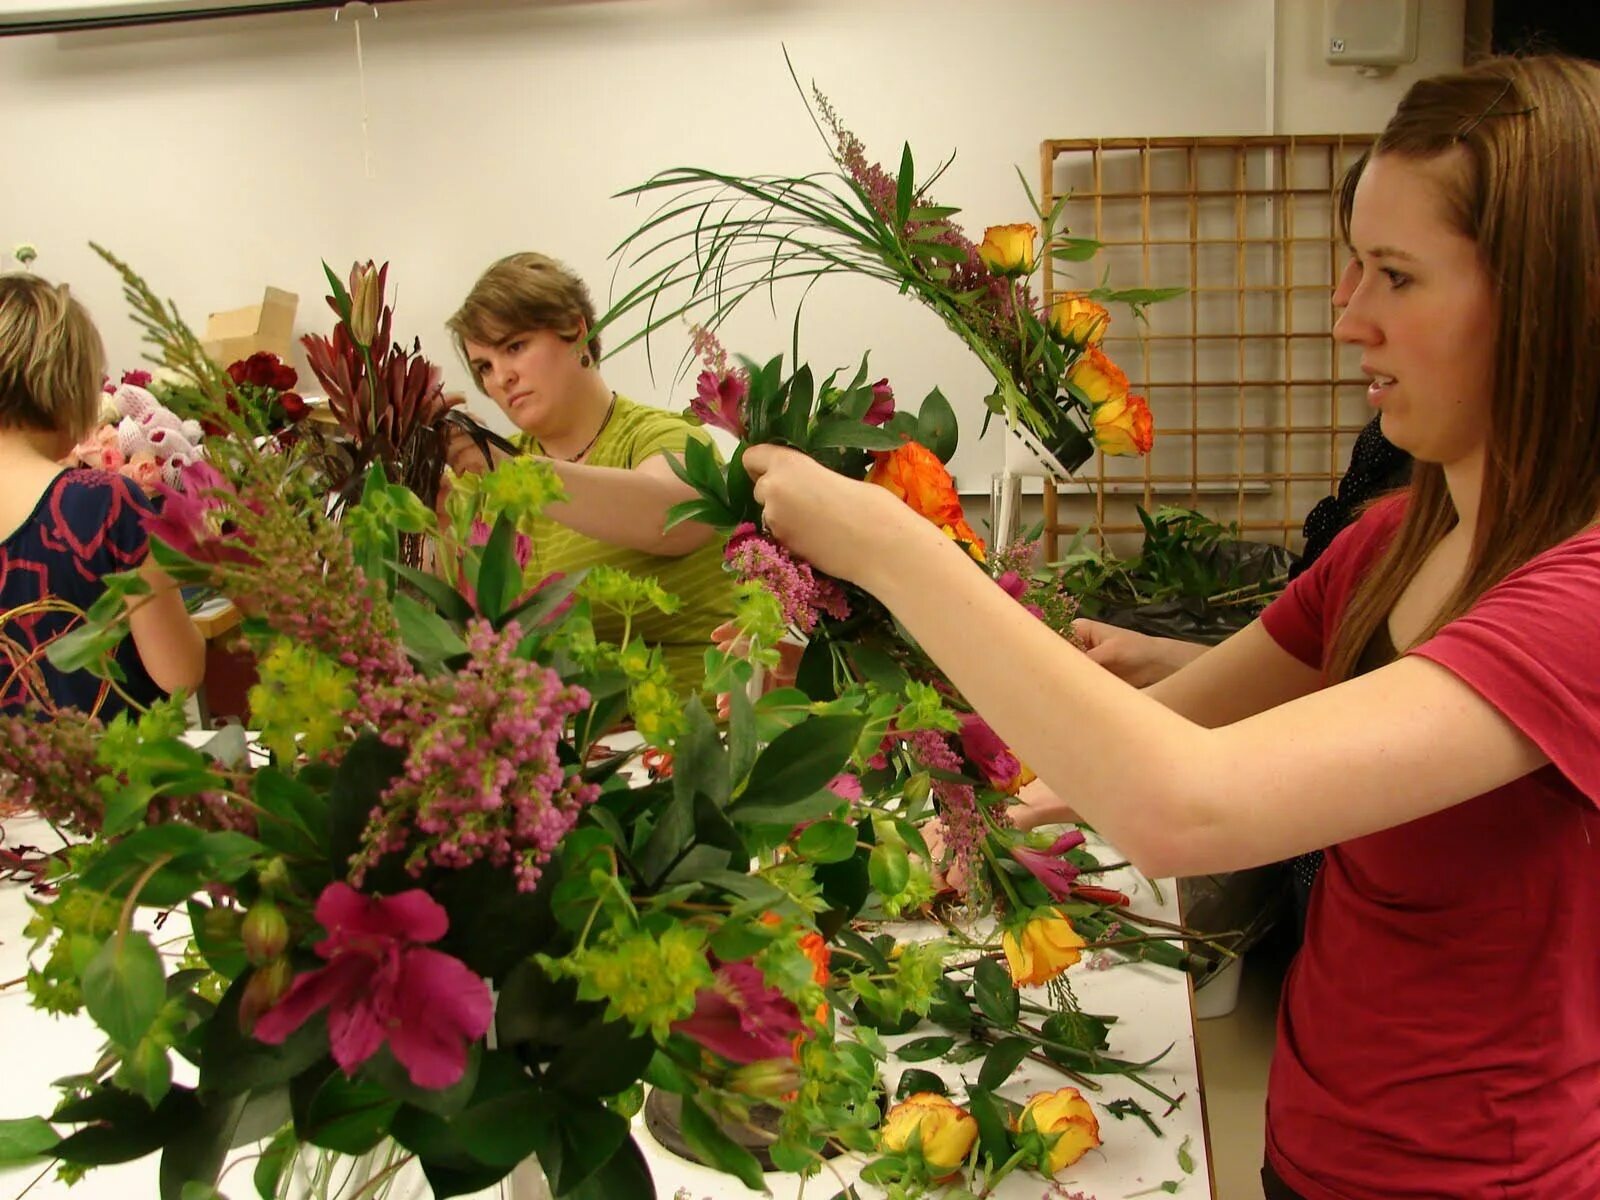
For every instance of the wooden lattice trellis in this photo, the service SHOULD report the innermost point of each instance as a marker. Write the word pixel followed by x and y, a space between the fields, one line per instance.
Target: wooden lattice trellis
pixel 1256 406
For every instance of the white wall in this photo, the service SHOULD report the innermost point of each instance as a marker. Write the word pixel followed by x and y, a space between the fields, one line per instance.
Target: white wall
pixel 221 156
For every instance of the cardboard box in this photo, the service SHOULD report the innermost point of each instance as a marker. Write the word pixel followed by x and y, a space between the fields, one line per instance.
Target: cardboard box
pixel 241 332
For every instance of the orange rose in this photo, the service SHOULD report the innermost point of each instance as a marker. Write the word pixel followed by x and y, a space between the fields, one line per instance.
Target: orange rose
pixel 1046 946
pixel 1097 377
pixel 1008 249
pixel 1065 1117
pixel 1124 426
pixel 915 474
pixel 1079 321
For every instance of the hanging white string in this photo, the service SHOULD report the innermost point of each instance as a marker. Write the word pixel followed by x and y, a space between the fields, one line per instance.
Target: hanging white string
pixel 361 77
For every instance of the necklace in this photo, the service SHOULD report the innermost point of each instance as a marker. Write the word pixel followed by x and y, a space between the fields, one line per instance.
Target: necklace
pixel 610 408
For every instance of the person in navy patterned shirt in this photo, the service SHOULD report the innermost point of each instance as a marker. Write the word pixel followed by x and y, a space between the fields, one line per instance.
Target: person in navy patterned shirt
pixel 62 531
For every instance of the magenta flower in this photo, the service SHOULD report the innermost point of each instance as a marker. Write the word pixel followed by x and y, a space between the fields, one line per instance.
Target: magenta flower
pixel 989 754
pixel 380 985
pixel 741 1017
pixel 719 401
pixel 1048 867
pixel 187 520
pixel 845 786
pixel 882 406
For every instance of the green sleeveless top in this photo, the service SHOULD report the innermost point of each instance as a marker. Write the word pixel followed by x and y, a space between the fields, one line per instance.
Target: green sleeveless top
pixel 634 433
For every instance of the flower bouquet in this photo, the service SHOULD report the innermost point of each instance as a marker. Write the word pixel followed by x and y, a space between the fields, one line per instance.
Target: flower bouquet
pixel 718 237
pixel 139 437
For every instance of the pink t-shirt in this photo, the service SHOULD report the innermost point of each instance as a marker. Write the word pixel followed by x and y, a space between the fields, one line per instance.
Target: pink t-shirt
pixel 1439 1034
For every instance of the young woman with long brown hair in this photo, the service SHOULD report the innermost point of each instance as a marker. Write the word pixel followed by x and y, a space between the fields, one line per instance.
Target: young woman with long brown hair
pixel 1425 701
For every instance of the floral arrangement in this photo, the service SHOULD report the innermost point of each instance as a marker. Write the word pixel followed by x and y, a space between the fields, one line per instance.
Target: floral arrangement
pixel 439 908
pixel 264 390
pixel 388 403
pixel 139 437
pixel 717 237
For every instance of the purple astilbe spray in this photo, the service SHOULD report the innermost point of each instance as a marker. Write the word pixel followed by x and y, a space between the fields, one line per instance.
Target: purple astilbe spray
pixel 801 595
pixel 482 779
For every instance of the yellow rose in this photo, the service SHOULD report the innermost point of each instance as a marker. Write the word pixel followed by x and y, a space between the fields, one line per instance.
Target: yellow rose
pixel 1047 946
pixel 1097 377
pixel 1008 249
pixel 1066 1116
pixel 1124 426
pixel 1079 321
pixel 947 1131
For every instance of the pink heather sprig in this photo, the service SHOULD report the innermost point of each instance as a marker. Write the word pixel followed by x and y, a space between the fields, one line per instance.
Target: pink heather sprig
pixel 800 594
pixel 993 316
pixel 482 779
pixel 957 802
pixel 710 351
pixel 49 766
pixel 297 574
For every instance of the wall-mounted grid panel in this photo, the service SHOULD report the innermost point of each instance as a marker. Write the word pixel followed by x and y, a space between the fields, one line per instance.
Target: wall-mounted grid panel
pixel 1256 406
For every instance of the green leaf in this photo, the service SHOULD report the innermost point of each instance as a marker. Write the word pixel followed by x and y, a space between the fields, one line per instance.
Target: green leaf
pixel 937 427
pixel 450 603
pixel 625 1176
pixel 917 1080
pixel 192 1159
pixel 700 762
pixel 801 760
pixel 124 988
pixel 905 187
pixel 1185 1159
pixel 350 1116
pixel 25 1139
pixel 819 804
pixel 1004 1059
pixel 1080 1030
pixel 600 1061
pixel 827 842
pixel 889 869
pixel 995 993
pixel 845 434
pixel 589 1135
pixel 717 1149
pixel 428 637
pixel 990 1116
pixel 498 578
pixel 1074 249
pixel 275 1159
pixel 923 1048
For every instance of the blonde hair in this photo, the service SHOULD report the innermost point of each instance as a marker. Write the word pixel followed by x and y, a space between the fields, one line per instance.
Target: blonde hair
pixel 51 358
pixel 1526 189
pixel 519 293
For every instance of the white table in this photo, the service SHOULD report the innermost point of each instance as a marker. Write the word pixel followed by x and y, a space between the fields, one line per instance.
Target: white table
pixel 1155 1009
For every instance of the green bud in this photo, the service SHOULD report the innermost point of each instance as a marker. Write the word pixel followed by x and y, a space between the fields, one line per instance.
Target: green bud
pixel 768 1079
pixel 265 932
pixel 917 787
pixel 265 988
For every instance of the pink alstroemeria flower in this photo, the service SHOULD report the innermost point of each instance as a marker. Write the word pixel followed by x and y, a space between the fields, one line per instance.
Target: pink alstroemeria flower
pixel 719 401
pixel 989 754
pixel 741 1017
pixel 882 406
pixel 381 985
pixel 1048 867
pixel 185 520
pixel 845 786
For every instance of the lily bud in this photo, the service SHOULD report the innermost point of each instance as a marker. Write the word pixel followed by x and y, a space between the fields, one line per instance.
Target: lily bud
pixel 265 932
pixel 265 988
pixel 366 297
pixel 767 1079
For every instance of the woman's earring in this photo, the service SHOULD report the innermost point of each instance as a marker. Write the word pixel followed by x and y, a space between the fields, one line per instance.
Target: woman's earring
pixel 584 360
